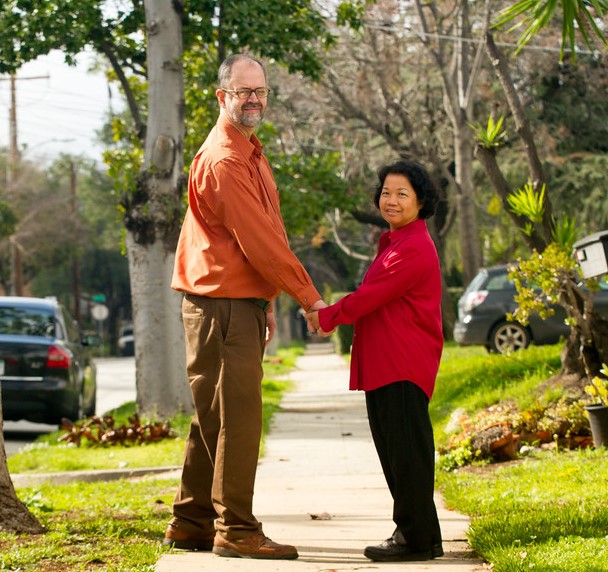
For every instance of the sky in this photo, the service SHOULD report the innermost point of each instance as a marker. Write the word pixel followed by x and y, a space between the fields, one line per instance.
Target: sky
pixel 59 113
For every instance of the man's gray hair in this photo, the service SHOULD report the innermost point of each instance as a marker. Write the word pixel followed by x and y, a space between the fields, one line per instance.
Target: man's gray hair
pixel 224 75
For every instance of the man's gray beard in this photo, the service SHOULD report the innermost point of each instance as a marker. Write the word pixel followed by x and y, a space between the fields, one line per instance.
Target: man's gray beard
pixel 245 120
pixel 251 120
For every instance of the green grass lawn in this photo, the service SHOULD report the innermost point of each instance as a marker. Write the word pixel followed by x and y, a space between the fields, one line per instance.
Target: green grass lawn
pixel 544 512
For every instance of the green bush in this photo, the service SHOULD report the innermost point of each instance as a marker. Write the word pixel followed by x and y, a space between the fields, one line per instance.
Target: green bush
pixel 343 336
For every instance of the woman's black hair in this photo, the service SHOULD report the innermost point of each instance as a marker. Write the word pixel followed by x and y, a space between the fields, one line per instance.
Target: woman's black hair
pixel 417 175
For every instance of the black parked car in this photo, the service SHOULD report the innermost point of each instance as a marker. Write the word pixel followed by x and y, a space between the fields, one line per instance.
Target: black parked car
pixel 46 369
pixel 483 309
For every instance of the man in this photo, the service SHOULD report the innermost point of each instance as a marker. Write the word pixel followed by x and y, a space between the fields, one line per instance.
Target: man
pixel 232 260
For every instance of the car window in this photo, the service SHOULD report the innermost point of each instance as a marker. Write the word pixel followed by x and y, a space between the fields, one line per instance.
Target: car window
pixel 27 321
pixel 500 282
pixel 476 283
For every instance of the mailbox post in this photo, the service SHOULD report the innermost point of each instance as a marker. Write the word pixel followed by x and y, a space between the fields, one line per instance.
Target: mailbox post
pixel 591 253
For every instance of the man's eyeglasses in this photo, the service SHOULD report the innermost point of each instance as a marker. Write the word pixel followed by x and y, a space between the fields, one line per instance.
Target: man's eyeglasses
pixel 245 92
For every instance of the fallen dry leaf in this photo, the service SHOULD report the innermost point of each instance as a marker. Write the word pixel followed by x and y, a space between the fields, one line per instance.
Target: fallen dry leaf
pixel 321 516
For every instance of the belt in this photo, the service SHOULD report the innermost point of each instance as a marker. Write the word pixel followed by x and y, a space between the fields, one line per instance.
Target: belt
pixel 260 302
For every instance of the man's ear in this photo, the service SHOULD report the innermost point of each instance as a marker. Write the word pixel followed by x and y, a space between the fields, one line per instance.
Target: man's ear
pixel 221 97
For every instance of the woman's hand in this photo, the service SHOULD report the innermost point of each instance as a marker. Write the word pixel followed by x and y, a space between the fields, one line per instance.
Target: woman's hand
pixel 314 326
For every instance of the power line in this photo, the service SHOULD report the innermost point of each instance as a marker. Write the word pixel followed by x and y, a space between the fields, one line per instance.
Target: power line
pixel 68 104
pixel 382 26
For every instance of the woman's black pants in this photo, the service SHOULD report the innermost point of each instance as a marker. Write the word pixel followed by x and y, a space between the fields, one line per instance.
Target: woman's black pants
pixel 403 435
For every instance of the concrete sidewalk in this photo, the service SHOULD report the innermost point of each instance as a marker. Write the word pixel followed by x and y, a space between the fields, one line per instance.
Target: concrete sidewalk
pixel 320 486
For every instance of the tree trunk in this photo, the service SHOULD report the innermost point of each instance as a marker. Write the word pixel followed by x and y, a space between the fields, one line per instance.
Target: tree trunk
pixel 14 516
pixel 522 126
pixel 162 388
pixel 487 158
pixel 153 223
pixel 586 349
pixel 465 201
pixel 459 71
pixel 587 346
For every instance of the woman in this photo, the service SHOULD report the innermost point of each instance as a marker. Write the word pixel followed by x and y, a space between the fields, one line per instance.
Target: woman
pixel 397 345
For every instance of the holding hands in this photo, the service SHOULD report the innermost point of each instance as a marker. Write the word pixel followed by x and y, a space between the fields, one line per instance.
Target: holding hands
pixel 312 318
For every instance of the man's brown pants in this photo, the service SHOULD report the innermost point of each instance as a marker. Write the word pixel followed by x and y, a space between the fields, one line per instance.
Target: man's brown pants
pixel 225 340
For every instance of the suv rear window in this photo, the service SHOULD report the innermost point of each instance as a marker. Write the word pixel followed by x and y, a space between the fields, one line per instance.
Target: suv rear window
pixel 500 282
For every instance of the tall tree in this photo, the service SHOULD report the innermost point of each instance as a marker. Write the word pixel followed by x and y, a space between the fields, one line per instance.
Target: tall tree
pixel 151 236
pixel 459 67
pixel 381 96
pixel 438 36
pixel 14 515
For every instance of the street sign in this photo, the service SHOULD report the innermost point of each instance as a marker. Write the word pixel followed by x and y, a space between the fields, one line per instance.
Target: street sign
pixel 100 312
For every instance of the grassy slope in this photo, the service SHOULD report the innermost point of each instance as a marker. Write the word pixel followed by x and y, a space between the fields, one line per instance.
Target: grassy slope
pixel 472 379
pixel 546 512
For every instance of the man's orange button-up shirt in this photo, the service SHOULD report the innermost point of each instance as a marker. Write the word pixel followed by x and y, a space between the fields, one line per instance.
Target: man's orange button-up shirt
pixel 233 242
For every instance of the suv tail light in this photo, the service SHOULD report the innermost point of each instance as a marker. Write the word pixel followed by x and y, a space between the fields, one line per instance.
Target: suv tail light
pixel 57 358
pixel 474 299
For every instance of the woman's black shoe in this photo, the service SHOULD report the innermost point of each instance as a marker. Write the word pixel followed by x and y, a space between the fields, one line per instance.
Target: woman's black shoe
pixel 392 551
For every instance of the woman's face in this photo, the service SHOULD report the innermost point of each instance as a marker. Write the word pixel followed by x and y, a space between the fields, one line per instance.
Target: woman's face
pixel 399 204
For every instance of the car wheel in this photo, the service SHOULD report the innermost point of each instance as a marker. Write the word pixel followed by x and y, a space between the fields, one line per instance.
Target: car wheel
pixel 507 337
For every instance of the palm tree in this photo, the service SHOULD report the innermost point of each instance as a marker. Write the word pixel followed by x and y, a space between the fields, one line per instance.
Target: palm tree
pixel 576 14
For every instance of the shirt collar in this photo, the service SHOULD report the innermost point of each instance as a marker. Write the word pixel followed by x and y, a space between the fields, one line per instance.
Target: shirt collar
pixel 247 147
pixel 405 230
pixel 392 236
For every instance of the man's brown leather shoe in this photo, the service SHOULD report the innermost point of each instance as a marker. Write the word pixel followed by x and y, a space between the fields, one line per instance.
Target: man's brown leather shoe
pixel 256 546
pixel 177 537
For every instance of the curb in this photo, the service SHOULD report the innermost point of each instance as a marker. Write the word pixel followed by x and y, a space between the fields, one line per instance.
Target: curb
pixel 34 479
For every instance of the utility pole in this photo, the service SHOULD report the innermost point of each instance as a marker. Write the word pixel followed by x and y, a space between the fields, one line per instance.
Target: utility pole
pixel 16 262
pixel 12 120
pixel 13 168
pixel 75 260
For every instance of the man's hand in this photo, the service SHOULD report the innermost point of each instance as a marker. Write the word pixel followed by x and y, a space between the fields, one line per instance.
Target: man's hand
pixel 313 321
pixel 271 326
pixel 314 326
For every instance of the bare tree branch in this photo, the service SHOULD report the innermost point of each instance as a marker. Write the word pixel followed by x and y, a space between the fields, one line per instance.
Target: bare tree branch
pixel 341 244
